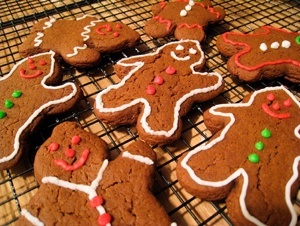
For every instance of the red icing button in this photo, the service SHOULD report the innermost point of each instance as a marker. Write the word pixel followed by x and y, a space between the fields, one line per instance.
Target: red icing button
pixel 150 90
pixel 158 80
pixel 75 139
pixel 69 152
pixel 116 34
pixel 271 96
pixel 104 219
pixel 53 147
pixel 170 70
pixel 119 26
pixel 96 201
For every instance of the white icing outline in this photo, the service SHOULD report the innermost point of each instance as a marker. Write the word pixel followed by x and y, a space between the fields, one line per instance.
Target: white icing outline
pixel 41 108
pixel 241 171
pixel 84 34
pixel 32 219
pixel 138 158
pixel 147 109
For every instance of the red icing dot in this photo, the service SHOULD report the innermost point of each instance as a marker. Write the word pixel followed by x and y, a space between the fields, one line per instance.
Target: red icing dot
pixel 32 67
pixel 271 96
pixel 170 70
pixel 75 139
pixel 158 80
pixel 108 28
pixel 150 90
pixel 276 106
pixel 104 219
pixel 42 62
pixel 30 61
pixel 118 26
pixel 96 201
pixel 287 102
pixel 69 152
pixel 53 147
pixel 116 34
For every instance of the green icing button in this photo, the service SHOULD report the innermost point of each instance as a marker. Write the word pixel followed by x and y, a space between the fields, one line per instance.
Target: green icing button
pixel 253 158
pixel 259 145
pixel 8 104
pixel 16 94
pixel 298 40
pixel 266 133
pixel 2 114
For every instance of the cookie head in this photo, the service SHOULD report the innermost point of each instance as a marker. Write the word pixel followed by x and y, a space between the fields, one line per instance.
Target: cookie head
pixel 69 155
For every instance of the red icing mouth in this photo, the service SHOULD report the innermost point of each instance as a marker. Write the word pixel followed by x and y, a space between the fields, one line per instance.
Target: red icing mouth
pixel 79 163
pixel 267 110
pixel 36 74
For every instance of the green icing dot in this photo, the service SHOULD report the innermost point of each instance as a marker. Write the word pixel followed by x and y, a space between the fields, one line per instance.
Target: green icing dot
pixel 16 94
pixel 297 40
pixel 8 104
pixel 2 114
pixel 259 145
pixel 253 158
pixel 266 133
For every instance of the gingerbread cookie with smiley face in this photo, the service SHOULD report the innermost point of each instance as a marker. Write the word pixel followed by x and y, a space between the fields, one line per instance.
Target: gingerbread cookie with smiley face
pixel 29 93
pixel 186 19
pixel 79 42
pixel 80 186
pixel 252 160
pixel 157 89
pixel 267 53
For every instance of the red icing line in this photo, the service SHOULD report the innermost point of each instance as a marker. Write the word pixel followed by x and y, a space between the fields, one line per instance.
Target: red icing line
pixel 212 10
pixel 98 30
pixel 161 20
pixel 64 165
pixel 248 48
pixel 162 4
pixel 267 110
pixel 190 26
pixel 36 74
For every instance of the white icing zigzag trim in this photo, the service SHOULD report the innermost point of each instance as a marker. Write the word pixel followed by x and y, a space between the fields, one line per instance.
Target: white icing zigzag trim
pixel 41 108
pixel 242 172
pixel 84 34
pixel 147 109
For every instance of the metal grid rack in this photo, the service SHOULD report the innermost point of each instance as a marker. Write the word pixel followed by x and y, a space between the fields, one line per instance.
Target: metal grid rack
pixel 18 184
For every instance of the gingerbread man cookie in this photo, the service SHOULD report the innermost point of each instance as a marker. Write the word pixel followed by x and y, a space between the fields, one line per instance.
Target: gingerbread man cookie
pixel 185 19
pixel 29 93
pixel 157 89
pixel 252 160
pixel 80 186
pixel 267 53
pixel 79 42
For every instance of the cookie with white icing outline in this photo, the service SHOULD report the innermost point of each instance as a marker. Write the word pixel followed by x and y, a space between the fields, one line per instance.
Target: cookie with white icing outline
pixel 157 89
pixel 186 19
pixel 79 42
pixel 31 91
pixel 267 53
pixel 80 186
pixel 252 160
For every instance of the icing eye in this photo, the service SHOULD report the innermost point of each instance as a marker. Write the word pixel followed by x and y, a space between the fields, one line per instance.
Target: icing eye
pixel 76 139
pixel 287 102
pixel 297 131
pixel 276 106
pixel 271 97
pixel 179 47
pixel 192 51
pixel 42 62
pixel 53 147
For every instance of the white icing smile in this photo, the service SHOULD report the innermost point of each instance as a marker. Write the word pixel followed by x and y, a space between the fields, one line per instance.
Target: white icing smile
pixel 185 58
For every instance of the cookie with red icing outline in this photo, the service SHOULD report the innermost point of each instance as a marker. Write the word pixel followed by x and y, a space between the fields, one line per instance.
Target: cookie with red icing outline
pixel 80 186
pixel 186 19
pixel 29 93
pixel 252 160
pixel 157 89
pixel 267 53
pixel 79 42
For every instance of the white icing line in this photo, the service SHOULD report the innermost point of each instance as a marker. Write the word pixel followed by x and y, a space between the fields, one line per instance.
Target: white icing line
pixel 138 158
pixel 75 50
pixel 32 219
pixel 49 23
pixel 89 190
pixel 41 108
pixel 241 171
pixel 147 109
pixel 37 39
pixel 175 57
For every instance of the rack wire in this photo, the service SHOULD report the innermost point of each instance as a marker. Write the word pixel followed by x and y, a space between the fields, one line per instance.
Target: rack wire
pixel 18 185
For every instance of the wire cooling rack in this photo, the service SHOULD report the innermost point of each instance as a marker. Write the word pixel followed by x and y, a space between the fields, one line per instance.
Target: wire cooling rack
pixel 18 184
